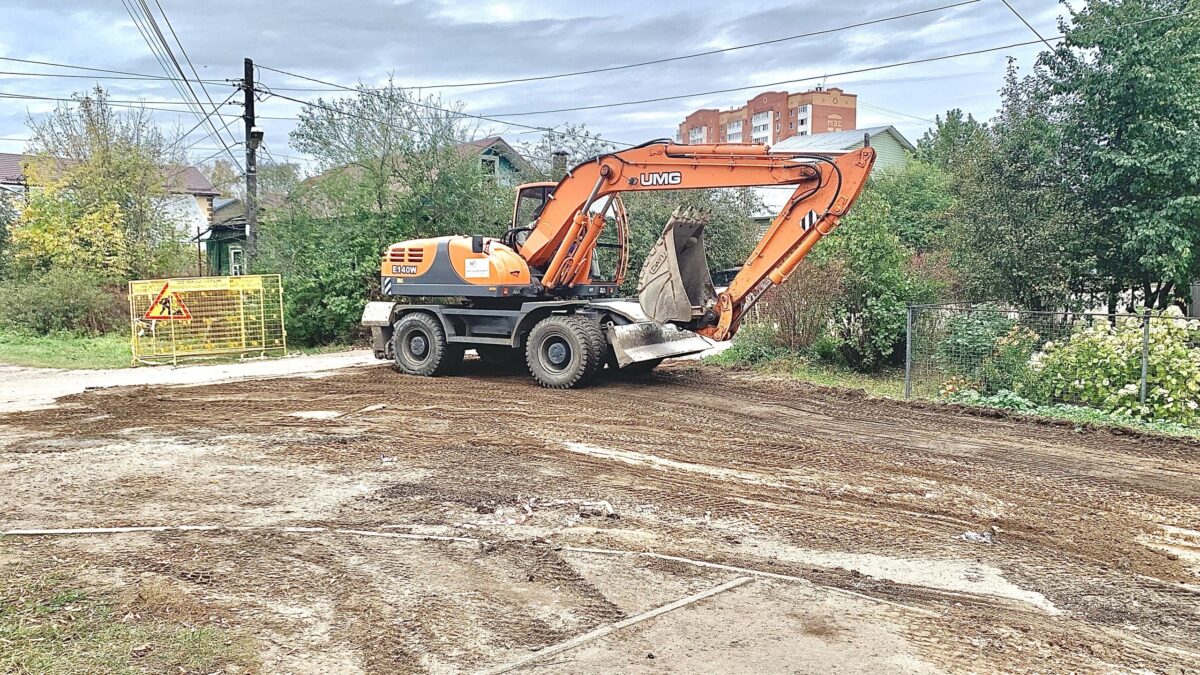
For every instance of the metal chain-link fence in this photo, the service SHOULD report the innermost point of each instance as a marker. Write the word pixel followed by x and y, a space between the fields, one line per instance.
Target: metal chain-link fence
pixel 1142 364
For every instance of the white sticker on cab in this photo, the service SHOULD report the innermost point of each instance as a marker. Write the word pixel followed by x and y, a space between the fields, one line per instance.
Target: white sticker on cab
pixel 477 268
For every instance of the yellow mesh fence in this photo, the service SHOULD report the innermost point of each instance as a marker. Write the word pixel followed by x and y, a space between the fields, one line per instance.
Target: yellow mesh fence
pixel 175 319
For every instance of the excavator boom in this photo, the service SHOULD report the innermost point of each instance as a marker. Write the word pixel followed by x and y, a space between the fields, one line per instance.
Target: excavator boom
pixel 674 285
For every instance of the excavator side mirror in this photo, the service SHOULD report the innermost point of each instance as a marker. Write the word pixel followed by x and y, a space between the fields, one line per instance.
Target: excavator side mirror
pixel 477 243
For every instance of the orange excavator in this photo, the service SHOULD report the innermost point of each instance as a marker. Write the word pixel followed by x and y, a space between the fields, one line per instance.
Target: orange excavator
pixel 539 295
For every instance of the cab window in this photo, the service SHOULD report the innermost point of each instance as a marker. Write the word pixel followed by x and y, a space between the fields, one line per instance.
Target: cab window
pixel 530 203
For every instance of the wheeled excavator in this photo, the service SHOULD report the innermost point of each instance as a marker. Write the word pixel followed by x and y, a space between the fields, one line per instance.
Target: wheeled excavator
pixel 538 294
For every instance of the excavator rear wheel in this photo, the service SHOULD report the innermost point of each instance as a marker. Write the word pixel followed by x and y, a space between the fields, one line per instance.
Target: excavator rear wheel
pixel 561 351
pixel 420 347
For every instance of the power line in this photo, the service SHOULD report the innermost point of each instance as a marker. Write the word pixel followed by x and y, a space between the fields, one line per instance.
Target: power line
pixel 154 49
pixel 421 105
pixel 1027 24
pixel 670 59
pixel 188 59
pixel 206 118
pixel 763 85
pixel 166 47
pixel 159 78
pixel 35 97
pixel 871 106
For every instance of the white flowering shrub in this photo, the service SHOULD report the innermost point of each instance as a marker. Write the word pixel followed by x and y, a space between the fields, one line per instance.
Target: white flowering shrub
pixel 1100 365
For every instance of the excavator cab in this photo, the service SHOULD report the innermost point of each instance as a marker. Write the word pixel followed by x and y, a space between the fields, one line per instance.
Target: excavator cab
pixel 531 199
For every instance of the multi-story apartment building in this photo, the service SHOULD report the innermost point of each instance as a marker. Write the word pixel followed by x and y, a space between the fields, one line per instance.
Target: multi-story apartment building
pixel 773 116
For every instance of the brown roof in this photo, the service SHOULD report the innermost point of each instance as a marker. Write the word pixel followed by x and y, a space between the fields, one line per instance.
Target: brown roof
pixel 181 180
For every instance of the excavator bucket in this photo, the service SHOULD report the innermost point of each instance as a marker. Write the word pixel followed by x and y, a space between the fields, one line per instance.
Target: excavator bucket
pixel 675 284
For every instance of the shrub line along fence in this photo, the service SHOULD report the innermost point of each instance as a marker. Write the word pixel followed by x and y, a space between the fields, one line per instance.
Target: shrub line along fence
pixel 1144 365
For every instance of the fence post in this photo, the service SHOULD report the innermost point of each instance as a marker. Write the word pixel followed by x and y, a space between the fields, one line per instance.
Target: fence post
pixel 908 325
pixel 1145 354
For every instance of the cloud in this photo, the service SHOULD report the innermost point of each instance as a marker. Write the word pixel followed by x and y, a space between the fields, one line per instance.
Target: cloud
pixel 421 42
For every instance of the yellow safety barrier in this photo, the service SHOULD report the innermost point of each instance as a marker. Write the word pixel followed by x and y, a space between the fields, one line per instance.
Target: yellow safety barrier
pixel 173 319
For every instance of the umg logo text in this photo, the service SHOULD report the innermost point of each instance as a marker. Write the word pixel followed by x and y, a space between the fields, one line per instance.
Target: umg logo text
pixel 661 178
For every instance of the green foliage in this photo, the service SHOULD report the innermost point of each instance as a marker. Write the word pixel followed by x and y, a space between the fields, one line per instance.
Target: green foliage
pixel 380 184
pixel 919 197
pixel 754 344
pixel 1071 413
pixel 1014 235
pixel 1001 399
pixel 1125 83
pixel 60 300
pixel 99 198
pixel 877 287
pixel 65 350
pixel 1100 365
pixel 971 338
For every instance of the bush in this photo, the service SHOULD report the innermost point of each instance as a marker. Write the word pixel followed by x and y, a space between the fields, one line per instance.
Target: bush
pixel 754 343
pixel 971 338
pixel 61 300
pixel 801 307
pixel 1100 365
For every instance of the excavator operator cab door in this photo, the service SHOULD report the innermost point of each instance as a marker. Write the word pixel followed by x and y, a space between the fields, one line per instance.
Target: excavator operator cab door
pixel 531 199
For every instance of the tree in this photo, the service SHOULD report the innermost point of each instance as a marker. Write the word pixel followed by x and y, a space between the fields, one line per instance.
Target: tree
pixel 921 199
pixel 1126 86
pixel 394 166
pixel 96 167
pixel 952 141
pixel 574 144
pixel 226 178
pixel 58 230
pixel 1012 232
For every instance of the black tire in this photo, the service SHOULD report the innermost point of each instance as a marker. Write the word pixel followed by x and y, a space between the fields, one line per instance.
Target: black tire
pixel 561 351
pixel 599 346
pixel 498 356
pixel 420 348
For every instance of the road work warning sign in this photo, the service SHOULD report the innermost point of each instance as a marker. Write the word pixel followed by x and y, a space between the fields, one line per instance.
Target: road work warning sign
pixel 167 306
pixel 205 317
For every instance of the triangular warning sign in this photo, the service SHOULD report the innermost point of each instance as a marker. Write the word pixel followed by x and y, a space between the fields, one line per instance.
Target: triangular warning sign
pixel 168 306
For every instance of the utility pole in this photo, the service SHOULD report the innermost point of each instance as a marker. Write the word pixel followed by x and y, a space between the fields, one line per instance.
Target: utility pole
pixel 253 138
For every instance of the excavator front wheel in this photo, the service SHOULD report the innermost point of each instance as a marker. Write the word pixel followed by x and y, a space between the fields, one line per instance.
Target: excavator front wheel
pixel 562 350
pixel 420 347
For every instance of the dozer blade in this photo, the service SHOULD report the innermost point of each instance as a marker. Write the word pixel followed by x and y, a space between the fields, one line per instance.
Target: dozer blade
pixel 675 284
pixel 649 340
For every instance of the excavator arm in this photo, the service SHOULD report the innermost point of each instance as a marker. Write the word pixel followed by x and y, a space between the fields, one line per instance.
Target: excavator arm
pixel 562 240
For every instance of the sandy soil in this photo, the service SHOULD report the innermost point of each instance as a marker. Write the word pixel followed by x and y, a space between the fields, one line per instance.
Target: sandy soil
pixel 463 523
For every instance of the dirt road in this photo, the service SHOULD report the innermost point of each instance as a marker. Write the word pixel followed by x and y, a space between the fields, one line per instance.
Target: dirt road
pixel 463 524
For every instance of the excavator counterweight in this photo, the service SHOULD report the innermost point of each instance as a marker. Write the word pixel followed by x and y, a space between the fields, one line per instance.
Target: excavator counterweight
pixel 539 295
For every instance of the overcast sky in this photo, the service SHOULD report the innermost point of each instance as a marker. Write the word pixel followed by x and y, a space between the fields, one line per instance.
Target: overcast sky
pixel 432 43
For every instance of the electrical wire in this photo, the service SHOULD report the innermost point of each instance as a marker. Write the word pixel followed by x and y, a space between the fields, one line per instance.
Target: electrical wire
pixel 188 59
pixel 765 85
pixel 682 57
pixel 157 31
pixel 158 78
pixel 1027 24
pixel 420 105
